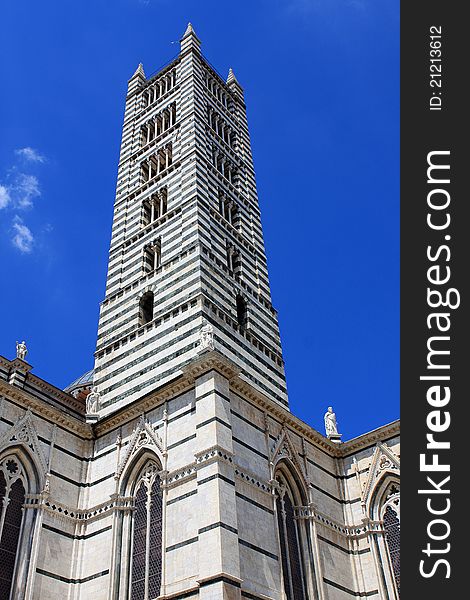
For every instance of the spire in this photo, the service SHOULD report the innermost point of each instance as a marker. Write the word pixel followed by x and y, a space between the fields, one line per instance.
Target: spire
pixel 190 40
pixel 189 29
pixel 231 77
pixel 137 80
pixel 139 71
pixel 234 84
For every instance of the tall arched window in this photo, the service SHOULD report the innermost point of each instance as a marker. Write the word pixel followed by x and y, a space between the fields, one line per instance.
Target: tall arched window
pixel 391 522
pixel 146 560
pixel 146 308
pixel 290 543
pixel 12 496
pixel 241 312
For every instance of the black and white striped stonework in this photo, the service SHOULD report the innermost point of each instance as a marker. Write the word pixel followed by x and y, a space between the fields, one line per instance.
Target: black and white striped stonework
pixel 186 232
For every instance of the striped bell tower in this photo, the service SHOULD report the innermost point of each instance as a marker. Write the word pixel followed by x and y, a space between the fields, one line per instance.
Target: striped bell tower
pixel 187 266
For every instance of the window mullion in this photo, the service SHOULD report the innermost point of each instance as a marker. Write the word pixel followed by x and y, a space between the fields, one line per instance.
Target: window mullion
pixel 5 503
pixel 147 543
pixel 286 545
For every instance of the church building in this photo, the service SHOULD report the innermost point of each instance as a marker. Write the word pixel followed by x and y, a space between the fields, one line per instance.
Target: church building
pixel 175 469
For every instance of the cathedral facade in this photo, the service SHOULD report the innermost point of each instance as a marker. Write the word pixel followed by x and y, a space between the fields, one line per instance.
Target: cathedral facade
pixel 175 469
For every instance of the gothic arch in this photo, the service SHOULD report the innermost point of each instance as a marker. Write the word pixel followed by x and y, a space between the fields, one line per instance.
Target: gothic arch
pixel 295 555
pixel 285 458
pixel 384 464
pixel 139 540
pixel 288 474
pixel 383 509
pixel 19 478
pixel 382 488
pixel 22 439
pixel 144 441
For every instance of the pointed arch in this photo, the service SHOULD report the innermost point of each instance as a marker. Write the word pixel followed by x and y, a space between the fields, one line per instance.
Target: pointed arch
pixel 293 540
pixel 139 549
pixel 144 441
pixel 19 478
pixel 385 463
pixel 285 457
pixel 381 501
pixel 383 487
pixel 22 439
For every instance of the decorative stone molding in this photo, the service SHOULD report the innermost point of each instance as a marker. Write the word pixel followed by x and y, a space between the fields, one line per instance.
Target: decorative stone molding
pixel 49 412
pixel 77 515
pixel 254 480
pixel 373 437
pixel 155 399
pixel 211 361
pixel 246 390
pixel 284 449
pixel 213 454
pixel 24 434
pixel 183 475
pixel 350 532
pixel 383 460
pixel 143 437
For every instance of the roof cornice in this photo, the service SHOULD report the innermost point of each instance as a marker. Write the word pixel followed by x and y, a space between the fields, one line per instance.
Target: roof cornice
pixel 46 410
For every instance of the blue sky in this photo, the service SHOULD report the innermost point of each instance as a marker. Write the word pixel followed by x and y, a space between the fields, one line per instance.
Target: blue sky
pixel 321 81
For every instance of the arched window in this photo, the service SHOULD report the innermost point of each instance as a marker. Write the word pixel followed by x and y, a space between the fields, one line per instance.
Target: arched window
pixel 146 308
pixel 146 560
pixel 152 256
pixel 12 496
pixel 241 312
pixel 391 522
pixel 290 542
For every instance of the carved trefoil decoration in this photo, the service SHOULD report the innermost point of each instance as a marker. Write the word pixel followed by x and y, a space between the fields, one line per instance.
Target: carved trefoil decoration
pixel 284 449
pixel 383 460
pixel 143 436
pixel 24 434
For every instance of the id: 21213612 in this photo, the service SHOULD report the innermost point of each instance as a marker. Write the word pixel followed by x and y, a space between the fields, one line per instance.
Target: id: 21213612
pixel 435 67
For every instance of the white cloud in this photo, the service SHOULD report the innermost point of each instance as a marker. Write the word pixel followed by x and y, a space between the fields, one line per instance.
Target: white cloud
pixel 22 239
pixel 30 154
pixel 5 197
pixel 26 189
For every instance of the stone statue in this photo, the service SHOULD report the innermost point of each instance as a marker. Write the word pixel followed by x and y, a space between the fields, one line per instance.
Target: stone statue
pixel 92 402
pixel 331 425
pixel 206 337
pixel 21 350
pixel 47 485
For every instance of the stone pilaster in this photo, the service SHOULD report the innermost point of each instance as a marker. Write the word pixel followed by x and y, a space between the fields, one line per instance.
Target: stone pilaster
pixel 219 563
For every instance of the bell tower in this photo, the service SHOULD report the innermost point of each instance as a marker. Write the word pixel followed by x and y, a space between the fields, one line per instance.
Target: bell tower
pixel 187 265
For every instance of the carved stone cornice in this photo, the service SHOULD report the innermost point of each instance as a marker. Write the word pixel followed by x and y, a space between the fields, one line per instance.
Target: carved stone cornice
pixel 245 389
pixel 213 454
pixel 49 412
pixel 67 399
pixel 77 515
pixel 251 478
pixel 136 409
pixel 370 438
pixel 55 393
pixel 349 532
pixel 174 478
pixel 4 362
pixel 211 361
